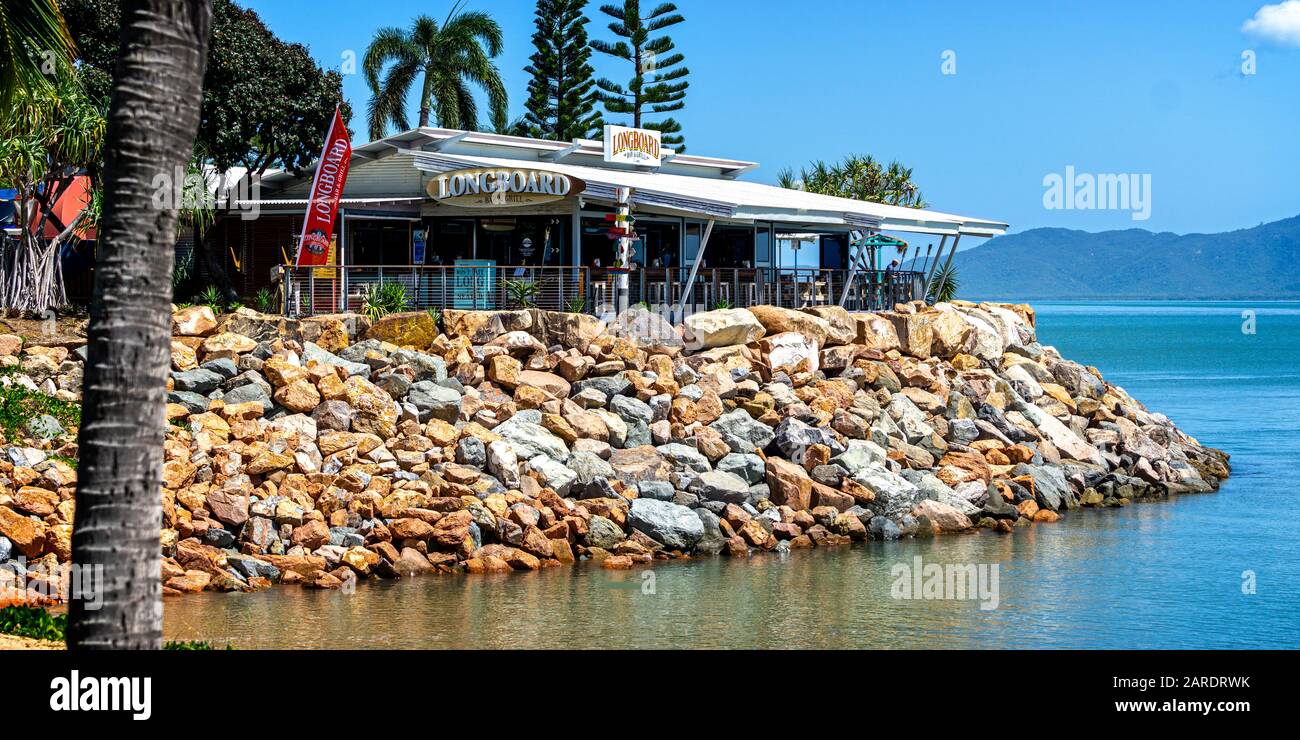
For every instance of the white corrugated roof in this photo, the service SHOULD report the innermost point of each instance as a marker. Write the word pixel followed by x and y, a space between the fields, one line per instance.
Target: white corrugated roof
pixel 731 199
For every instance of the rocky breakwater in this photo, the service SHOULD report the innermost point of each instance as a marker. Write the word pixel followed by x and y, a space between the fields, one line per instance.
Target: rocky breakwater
pixel 322 451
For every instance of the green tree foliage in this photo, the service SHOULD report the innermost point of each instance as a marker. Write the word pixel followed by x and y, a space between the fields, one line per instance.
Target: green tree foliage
pixel 265 102
pixel 561 99
pixel 447 62
pixel 659 81
pixel 33 37
pixel 859 178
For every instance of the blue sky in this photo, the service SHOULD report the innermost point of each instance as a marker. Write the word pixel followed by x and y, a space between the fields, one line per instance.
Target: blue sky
pixel 1152 88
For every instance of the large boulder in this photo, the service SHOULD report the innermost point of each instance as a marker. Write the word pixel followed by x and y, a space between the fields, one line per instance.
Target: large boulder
pixel 843 328
pixel 722 328
pixel 790 351
pixel 480 327
pixel 572 330
pixel 195 321
pixel 675 527
pixel 875 332
pixel 648 331
pixel 777 320
pixel 410 329
pixel 915 335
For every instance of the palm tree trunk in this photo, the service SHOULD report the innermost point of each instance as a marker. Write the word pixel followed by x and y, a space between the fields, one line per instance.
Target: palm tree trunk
pixel 151 125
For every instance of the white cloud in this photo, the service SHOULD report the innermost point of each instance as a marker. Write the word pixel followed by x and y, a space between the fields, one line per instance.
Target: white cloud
pixel 1278 23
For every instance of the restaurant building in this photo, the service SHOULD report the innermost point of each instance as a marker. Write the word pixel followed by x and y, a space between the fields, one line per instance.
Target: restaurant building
pixel 478 220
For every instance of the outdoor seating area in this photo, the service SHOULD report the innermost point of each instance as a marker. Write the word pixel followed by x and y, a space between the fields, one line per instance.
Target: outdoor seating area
pixel 595 290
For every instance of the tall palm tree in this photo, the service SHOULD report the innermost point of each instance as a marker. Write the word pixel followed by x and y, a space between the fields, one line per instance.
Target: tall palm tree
pixel 447 60
pixel 860 178
pixel 152 120
pixel 27 29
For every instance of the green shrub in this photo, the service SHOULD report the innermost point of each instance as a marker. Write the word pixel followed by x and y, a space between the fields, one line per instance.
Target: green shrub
pixel 27 621
pixel 382 299
pixel 211 297
pixel 265 301
pixel 522 293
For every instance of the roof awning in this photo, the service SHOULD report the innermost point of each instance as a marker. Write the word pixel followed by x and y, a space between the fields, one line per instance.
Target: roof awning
pixel 734 200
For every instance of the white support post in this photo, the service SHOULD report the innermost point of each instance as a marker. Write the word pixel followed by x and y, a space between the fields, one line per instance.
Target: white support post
pixel 624 246
pixel 695 270
pixel 854 260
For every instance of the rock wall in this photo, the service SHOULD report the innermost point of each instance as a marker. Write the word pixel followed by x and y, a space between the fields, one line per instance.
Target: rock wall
pixel 320 451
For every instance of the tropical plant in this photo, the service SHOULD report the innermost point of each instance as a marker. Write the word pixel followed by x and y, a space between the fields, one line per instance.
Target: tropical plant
pixel 211 297
pixel 381 299
pixel 182 270
pixel 28 30
pixel 721 304
pixel 522 293
pixel 155 112
pixel 50 136
pixel 943 284
pixel 561 102
pixel 658 82
pixel 446 62
pixel 576 305
pixel 265 300
pixel 857 177
pixel 435 315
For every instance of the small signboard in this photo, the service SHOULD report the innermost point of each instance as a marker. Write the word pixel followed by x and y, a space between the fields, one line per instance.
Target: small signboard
pixel 472 283
pixel 637 146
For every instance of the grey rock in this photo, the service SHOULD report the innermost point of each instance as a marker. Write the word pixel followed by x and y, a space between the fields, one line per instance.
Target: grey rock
pixel 895 496
pixel 632 410
pixel 711 542
pixel 44 427
pixel 588 466
pixel 224 366
pixel 530 438
pixel 555 475
pixel 312 351
pixel 247 394
pixel 28 457
pixel 747 466
pixel 741 432
pixel 676 527
pixel 1050 487
pixel 884 528
pixel 434 401
pixel 193 402
pixel 655 489
pixel 794 437
pixel 426 366
pixel 717 485
pixel 685 456
pixel 198 381
pixel 601 532
pixel 611 385
pixel 471 451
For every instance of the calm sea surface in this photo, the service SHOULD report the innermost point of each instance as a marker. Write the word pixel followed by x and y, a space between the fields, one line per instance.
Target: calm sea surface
pixel 1157 575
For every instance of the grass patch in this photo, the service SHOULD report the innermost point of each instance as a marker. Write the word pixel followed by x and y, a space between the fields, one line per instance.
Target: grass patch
pixel 19 406
pixel 38 624
pixel 194 645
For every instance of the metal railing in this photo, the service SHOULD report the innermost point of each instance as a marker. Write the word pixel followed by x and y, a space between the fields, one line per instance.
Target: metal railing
pixel 318 290
pixel 738 287
pixel 322 290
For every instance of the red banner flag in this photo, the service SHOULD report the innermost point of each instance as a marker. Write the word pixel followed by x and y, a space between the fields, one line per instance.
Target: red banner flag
pixel 326 187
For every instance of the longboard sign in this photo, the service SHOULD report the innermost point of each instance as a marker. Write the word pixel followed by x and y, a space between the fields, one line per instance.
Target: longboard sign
pixel 326 189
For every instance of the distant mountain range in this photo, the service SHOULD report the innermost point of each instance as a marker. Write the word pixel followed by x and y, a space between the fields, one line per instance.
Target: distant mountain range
pixel 1063 264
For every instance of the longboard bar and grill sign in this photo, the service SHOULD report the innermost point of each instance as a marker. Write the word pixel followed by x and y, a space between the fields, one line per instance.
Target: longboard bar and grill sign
pixel 326 188
pixel 502 187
